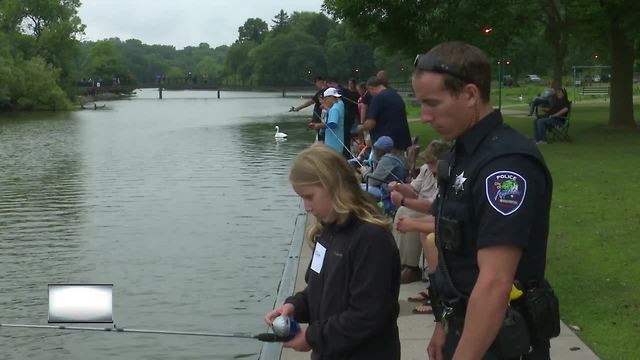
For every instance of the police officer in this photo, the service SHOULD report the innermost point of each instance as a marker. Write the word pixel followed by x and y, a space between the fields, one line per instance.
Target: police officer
pixel 492 211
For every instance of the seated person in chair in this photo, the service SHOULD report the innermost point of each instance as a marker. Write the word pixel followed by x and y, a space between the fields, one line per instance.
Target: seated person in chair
pixel 543 100
pixel 556 115
pixel 414 201
pixel 390 167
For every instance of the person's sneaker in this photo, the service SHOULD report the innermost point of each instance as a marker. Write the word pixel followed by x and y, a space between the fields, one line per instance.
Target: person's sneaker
pixel 409 275
pixel 540 142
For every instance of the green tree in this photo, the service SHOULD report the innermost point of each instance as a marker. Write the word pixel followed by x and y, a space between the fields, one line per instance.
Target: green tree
pixel 31 85
pixel 175 75
pixel 397 65
pixel 415 26
pixel 317 25
pixel 618 20
pixel 38 49
pixel 105 62
pixel 350 56
pixel 238 65
pixel 287 59
pixel 49 29
pixel 209 71
pixel 280 22
pixel 418 25
pixel 254 29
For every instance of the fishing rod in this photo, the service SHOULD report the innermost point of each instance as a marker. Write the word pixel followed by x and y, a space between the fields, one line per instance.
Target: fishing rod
pixel 284 329
pixel 313 83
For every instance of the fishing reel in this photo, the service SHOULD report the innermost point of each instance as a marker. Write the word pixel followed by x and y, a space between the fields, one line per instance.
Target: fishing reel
pixel 285 327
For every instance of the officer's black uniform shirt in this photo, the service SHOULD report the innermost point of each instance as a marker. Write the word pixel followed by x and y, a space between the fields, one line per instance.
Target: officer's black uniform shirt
pixel 500 192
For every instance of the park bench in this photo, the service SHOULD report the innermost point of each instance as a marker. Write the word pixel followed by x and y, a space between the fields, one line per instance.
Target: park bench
pixel 598 90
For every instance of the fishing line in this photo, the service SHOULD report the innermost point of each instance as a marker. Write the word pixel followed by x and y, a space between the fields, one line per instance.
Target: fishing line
pixel 349 151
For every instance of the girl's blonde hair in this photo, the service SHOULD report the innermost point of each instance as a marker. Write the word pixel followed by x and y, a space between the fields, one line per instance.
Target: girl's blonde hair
pixel 320 165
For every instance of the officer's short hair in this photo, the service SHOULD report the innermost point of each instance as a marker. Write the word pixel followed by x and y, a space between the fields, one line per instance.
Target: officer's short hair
pixel 460 64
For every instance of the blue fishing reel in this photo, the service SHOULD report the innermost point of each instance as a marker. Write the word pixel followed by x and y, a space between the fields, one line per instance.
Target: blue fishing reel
pixel 284 327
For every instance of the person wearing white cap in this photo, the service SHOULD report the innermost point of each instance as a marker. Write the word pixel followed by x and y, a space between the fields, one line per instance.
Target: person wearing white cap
pixel 334 125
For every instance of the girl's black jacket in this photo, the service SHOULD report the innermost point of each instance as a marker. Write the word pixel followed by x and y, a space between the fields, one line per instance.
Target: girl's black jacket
pixel 351 305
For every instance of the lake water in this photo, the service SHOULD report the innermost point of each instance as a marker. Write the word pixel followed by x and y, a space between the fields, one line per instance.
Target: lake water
pixel 182 203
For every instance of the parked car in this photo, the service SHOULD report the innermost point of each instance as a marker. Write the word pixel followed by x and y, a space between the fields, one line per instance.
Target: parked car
pixel 533 78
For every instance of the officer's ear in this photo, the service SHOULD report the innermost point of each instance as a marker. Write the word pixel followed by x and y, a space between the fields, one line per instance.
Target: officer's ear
pixel 471 95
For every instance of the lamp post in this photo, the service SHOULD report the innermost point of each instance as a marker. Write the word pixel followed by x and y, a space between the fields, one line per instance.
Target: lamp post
pixel 487 31
pixel 500 68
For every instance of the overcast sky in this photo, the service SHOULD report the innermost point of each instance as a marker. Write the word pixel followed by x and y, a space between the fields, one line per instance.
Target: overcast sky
pixel 180 22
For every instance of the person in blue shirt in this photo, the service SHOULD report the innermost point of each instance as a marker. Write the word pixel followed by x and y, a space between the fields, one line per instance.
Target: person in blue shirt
pixel 334 125
pixel 386 115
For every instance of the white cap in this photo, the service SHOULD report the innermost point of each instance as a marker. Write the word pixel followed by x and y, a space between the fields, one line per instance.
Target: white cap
pixel 332 92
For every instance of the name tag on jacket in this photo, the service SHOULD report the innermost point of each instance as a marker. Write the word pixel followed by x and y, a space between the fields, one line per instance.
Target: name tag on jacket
pixel 318 258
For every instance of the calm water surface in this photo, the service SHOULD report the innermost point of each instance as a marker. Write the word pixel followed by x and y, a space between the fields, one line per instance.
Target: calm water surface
pixel 183 204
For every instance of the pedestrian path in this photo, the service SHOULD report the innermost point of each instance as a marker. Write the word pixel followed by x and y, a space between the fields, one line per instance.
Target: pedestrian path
pixel 415 330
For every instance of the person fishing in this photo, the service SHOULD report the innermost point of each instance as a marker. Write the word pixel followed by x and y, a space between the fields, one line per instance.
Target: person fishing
pixel 321 85
pixel 351 298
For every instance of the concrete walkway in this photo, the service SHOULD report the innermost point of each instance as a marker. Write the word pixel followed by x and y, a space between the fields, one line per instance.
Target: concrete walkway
pixel 416 330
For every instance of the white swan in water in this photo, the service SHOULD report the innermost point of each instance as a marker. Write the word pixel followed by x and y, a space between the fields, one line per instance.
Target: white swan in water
pixel 279 134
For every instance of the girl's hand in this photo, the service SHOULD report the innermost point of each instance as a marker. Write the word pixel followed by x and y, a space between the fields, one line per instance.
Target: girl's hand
pixel 299 342
pixel 284 310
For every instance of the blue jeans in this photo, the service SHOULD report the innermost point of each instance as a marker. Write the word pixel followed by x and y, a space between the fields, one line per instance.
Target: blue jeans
pixel 373 190
pixel 541 125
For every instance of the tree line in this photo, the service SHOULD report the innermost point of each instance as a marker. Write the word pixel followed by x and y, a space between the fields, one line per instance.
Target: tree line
pixel 291 51
pixel 42 61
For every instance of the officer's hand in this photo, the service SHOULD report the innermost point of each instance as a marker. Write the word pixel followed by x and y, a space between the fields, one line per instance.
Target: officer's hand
pixel 284 310
pixel 393 186
pixel 299 342
pixel 396 197
pixel 435 350
pixel 404 224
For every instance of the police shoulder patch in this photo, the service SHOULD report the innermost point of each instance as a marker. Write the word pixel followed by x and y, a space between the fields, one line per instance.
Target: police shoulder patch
pixel 506 191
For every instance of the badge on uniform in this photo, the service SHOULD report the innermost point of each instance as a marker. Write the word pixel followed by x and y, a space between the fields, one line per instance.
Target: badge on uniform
pixel 506 191
pixel 458 185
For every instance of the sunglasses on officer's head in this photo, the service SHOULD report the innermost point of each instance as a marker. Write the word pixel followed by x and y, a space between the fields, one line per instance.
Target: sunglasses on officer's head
pixel 426 62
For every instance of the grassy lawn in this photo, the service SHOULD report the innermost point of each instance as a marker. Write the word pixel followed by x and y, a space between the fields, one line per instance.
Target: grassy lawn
pixel 594 240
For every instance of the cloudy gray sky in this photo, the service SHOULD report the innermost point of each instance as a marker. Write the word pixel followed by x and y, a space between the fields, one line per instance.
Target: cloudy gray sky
pixel 180 22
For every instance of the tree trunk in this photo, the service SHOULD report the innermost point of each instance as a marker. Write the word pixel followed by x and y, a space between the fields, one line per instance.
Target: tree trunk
pixel 621 106
pixel 559 51
pixel 557 36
